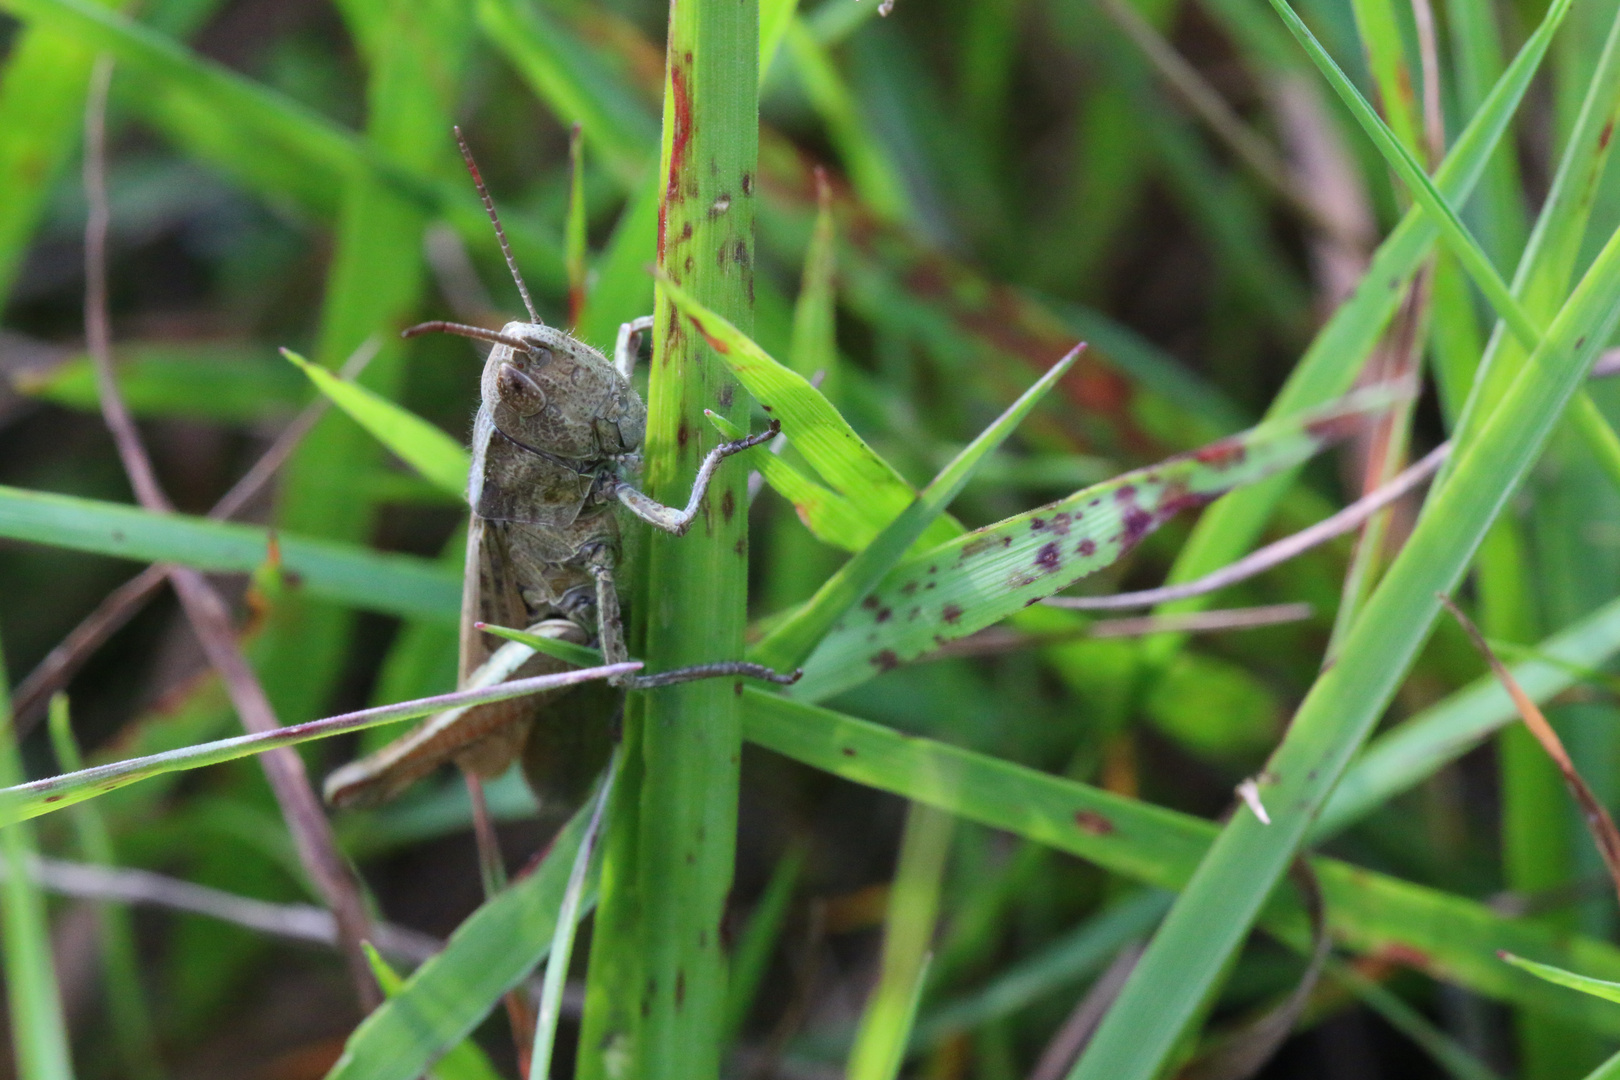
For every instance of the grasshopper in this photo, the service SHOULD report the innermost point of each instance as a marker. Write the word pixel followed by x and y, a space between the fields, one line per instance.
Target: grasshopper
pixel 556 446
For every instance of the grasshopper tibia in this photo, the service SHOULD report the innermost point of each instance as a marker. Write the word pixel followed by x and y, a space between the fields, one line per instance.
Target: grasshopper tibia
pixel 678 521
pixel 717 670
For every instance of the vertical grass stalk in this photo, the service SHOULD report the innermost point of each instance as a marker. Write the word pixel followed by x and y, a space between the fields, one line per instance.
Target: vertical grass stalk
pixel 658 999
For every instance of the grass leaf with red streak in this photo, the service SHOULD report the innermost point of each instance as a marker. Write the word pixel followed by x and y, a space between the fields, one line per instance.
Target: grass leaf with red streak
pixel 1593 812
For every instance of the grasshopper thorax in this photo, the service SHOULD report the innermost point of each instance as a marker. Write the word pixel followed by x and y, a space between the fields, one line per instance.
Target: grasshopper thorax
pixel 561 397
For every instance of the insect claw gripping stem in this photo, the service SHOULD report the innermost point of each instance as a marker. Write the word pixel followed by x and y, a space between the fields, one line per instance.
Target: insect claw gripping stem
pixel 678 521
pixel 611 632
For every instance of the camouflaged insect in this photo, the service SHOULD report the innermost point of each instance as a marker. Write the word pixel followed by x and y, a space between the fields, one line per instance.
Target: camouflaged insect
pixel 556 445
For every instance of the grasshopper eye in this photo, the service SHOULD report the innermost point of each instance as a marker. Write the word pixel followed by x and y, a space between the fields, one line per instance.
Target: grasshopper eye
pixel 519 392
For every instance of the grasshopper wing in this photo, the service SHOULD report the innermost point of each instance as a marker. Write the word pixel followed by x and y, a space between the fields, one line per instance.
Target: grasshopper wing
pixel 484 738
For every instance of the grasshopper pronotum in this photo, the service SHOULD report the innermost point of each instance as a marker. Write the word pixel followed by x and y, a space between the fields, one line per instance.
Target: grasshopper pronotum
pixel 556 441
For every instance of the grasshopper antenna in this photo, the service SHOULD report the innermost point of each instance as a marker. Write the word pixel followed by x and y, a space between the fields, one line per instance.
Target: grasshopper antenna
pixel 494 219
pixel 438 326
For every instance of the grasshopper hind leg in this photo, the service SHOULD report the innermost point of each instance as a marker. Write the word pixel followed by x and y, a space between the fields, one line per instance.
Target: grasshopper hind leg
pixel 614 651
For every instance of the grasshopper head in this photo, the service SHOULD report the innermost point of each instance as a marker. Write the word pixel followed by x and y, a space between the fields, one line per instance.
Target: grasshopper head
pixel 561 396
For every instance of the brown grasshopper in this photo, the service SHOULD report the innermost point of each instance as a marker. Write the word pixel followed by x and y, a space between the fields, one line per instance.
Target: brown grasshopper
pixel 556 443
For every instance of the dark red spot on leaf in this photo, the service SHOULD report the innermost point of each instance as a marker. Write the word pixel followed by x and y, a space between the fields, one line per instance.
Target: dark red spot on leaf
pixel 1094 823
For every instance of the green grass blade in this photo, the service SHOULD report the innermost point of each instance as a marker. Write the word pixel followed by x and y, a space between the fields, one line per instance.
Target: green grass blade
pixel 656 987
pixel 39 1034
pixel 871 171
pixel 220 383
pixel 376 581
pixel 1330 364
pixel 908 932
pixel 758 940
pixel 1440 734
pixel 1500 219
pixel 980 578
pixel 1609 1070
pixel 1417 181
pixel 790 642
pixel 1212 915
pixel 1544 270
pixel 34 799
pixel 829 516
pixel 1058 965
pixel 567 75
pixel 623 290
pixel 42 92
pixel 549 1010
pixel 125 997
pixel 441 460
pixel 808 419
pixel 464 1061
pixel 1600 988
pixel 271 142
pixel 574 247
pixel 492 951
pixel 774 18
pixel 815 313
pixel 1446 936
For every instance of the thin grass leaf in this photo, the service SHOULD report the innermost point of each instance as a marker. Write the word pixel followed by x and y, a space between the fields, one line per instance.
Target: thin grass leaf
pixel 376 581
pixel 464 1061
pixel 623 291
pixel 774 19
pixel 1593 812
pixel 125 997
pixel 1058 965
pixel 1335 355
pixel 42 94
pixel 1445 936
pixel 549 1010
pixel 908 932
pixel 567 75
pixel 23 801
pixel 815 313
pixel 273 143
pixel 1416 749
pixel 225 383
pixel 1601 988
pixel 1548 261
pixel 982 577
pixel 872 171
pixel 491 952
pixel 829 516
pixel 791 641
pixel 759 940
pixel 441 460
pixel 39 1035
pixel 809 420
pixel 1214 912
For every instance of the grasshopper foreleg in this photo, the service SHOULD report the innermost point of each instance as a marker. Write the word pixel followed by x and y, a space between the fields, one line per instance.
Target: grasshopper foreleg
pixel 611 629
pixel 629 343
pixel 676 521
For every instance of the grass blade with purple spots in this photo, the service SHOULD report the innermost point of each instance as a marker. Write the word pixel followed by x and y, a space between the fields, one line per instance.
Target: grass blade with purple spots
pixel 984 576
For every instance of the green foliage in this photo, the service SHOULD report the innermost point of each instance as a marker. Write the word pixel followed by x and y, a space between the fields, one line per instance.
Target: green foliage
pixel 888 235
